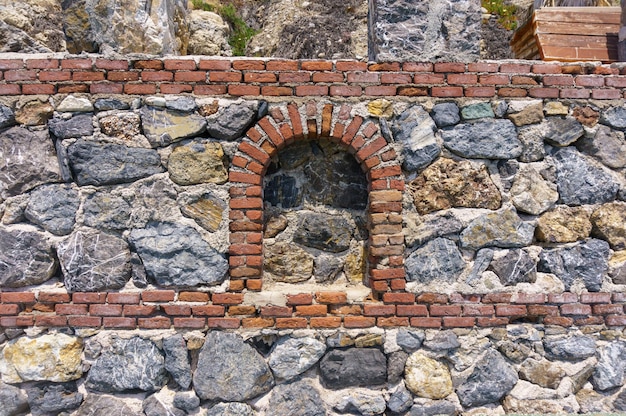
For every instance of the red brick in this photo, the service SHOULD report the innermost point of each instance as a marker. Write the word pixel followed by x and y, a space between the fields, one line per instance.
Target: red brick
pixel 445 310
pixel 589 81
pixel 566 297
pixel 241 90
pixel 311 310
pixel 417 67
pixel 139 310
pixel 544 92
pixel 214 64
pixel 277 91
pixel 406 298
pixel 549 80
pixel 157 76
pixel 464 298
pixel 209 89
pixel 491 322
pixel 84 321
pixel 430 298
pixel 540 310
pixel 118 322
pixel 447 91
pixel 227 298
pixel 193 297
pixel 300 299
pixel 158 295
pixel 242 177
pixel 190 323
pixel 588 320
pixel 393 321
pixel 166 88
pixel 546 69
pixel 55 297
pixel 346 90
pixel 512 92
pixel 180 64
pixel 120 76
pixel 105 310
pixel 523 80
pixel 458 322
pixel 595 298
pixel 616 82
pixel 373 309
pixel 616 320
pixel 73 88
pixel 514 68
pixel 241 310
pixel 62 309
pixel 380 285
pixel 608 309
pixel 249 64
pixel 449 67
pixel 178 310
pixel 130 298
pixel 395 78
pixel 575 309
pixel 413 91
pixel 619 297
pixel 358 322
pixel 291 323
pixel 140 89
pixel 105 88
pixel 529 298
pixel 17 297
pixel 88 76
pixel 148 64
pixel 10 89
pixel 158 322
pixel 190 76
pixel 11 64
pixel 20 75
pixel 257 322
pixel 331 297
pixel 311 90
pixel 478 310
pixel 411 310
pixel 480 91
pixel 281 65
pixel 483 67
pixel 380 90
pixel 495 79
pixel 274 311
pixel 350 66
pixel 462 79
pixel 229 76
pixel 47 76
pixel 208 310
pixel 511 310
pixel 363 77
pixel 326 322
pixel 109 64
pixel 384 66
pixel 245 249
pixel 426 322
pixel 50 320
pixel 328 77
pixel 574 93
pixel 11 309
pixel 497 298
pixel 606 94
pixel 34 89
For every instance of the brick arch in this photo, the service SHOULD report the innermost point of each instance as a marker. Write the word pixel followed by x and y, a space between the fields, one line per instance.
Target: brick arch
pixel 361 138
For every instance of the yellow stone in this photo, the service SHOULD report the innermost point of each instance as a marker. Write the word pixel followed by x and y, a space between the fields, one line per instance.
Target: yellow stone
pixel 354 268
pixel 554 108
pixel 426 377
pixel 380 108
pixel 197 163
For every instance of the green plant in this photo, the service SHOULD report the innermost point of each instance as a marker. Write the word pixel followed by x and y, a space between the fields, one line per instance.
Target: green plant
pixel 201 5
pixel 506 12
pixel 241 31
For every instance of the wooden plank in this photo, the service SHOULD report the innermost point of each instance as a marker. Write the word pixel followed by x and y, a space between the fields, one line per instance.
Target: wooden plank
pixel 577 41
pixel 560 53
pixel 576 29
pixel 605 15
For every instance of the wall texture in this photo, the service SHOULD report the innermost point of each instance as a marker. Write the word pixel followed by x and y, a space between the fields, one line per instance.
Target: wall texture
pixel 327 236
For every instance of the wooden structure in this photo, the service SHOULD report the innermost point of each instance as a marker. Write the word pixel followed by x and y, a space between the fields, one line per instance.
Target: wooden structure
pixel 569 34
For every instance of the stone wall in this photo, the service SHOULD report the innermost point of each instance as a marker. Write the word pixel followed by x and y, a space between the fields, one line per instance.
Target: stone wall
pixel 247 236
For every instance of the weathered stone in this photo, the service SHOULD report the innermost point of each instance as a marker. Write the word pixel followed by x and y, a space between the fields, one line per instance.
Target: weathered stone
pixel 7 117
pixel 106 104
pixel 572 348
pixel 288 263
pixel 426 377
pixel 414 129
pixel 544 373
pixel 609 223
pixel 230 122
pixel 556 108
pixel 177 360
pixel 73 104
pixel 580 181
pixel 531 114
pixel 419 229
pixel 614 117
pixel 19 174
pixel 124 126
pixel 34 113
pixel 446 114
pixel 563 225
pixel 230 409
pixel 409 340
pixel 481 263
pixel 620 401
pixel 293 356
pixel 442 341
pixel 299 397
pixel 396 361
pixel 514 351
pixel 514 267
pixel 531 192
pixel 609 372
pixel 50 357
pixel 587 260
pixel 128 364
pixel 77 126
pixel 14 402
pixel 438 259
pixel 275 225
pixel 105 210
pixel 92 261
pixel 586 116
pixel 434 408
pixel 208 34
pixel 476 111
pixel 446 184
pixel 176 255
pixel 26 258
pixel 606 145
pixel 229 369
pixel 283 191
pixel 186 400
pixel 591 402
pixel 540 406
pixel 381 108
pixel 368 340
pixel 400 400
pixel 617 267
pixel 491 380
pixel 326 267
pixel 362 402
pixel 152 200
pixel 356 264
pixel 164 127
pixel 486 139
pixel 103 405
pixel 563 131
pixel 206 210
pixel 531 137
pixel 53 398
pixel 498 229
pixel 53 207
pixel 155 406
pixel 106 164
pixel 197 162
pixel 353 367
pixel 322 231
pixel 184 104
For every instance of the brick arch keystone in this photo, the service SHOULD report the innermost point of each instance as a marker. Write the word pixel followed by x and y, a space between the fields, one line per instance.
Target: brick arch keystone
pixel 361 138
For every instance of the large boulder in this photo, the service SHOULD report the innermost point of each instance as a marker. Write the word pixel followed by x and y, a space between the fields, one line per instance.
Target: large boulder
pixel 293 356
pixel 53 207
pixel 438 259
pixel 427 377
pixel 26 257
pixel 483 139
pixel 498 229
pixel 415 130
pixel 353 367
pixel 491 380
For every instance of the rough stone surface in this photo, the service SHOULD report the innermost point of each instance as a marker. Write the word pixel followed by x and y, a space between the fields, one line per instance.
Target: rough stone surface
pixel 443 341
pixel 128 364
pixel 563 225
pixel 395 366
pixel 414 129
pixel 93 261
pixel 543 373
pixel 540 406
pixel 14 402
pixel 476 111
pixel 324 232
pixel 206 210
pixel 587 260
pixel 75 127
pixel 176 255
pixel 434 408
pixel 177 360
pixel 620 401
pixel 208 34
pixel 353 367
pixel 53 207
pixel 400 400
pixel 104 405
pixel 124 126
pixel 186 400
pixel 419 229
pixel 617 267
pixel 293 356
pixel 580 181
pixel 107 164
pixel 516 266
pixel 7 117
pixel 105 210
pixel 50 357
pixel 34 113
pixel 481 263
pixel 491 380
pixel 106 104
pixel 26 258
pixel 164 127
pixel 438 259
pixel 446 184
pixel 531 114
pixel 563 131
pixel 499 229
pixel 73 104
pixel 531 192
pixel 531 137
pixel 609 372
pixel 326 267
pixel 573 348
pixel 366 403
pixel 446 114
pixel 20 174
pixel 606 145
pixel 484 139
pixel 231 122
pixel 426 377
pixel 229 369
pixel 614 117
pixel 299 397
pixel 230 409
pixel 288 263
pixel 45 399
pixel 154 406
pixel 609 223
pixel 409 340
pixel 197 162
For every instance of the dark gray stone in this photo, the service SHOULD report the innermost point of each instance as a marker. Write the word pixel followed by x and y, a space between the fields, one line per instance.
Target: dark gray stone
pixel 104 210
pixel 326 267
pixel 283 191
pixel 563 131
pixel 262 109
pixel 432 226
pixel 176 255
pixel 572 348
pixel 298 398
pixel 152 406
pixel 438 259
pixel 516 266
pixel 322 231
pixel 587 260
pixel 230 409
pixel 26 258
pixel 93 261
pixel 484 139
pixel 443 341
pixel 64 161
pixel 507 170
pixel 291 357
pixel 532 142
pixel 476 111
pixel 580 181
pixel 7 117
pixel 103 405
pixel 138 271
pixel 106 164
pixel 231 122
pixel 614 117
pixel 29 160
pixel 53 207
pixel 182 104
pixel 409 340
pixel 620 401
pixel 481 263
pixel 400 400
pixel 395 366
pixel 609 372
pixel 163 127
pixel 106 104
pixel 129 364
pixel 491 379
pixel 353 367
pixel 438 408
pixel 446 114
pixel 177 360
pixel 606 145
pixel 53 398
pixel 186 400
pixel 362 402
pixel 415 130
pixel 75 127
pixel 229 369
pixel 14 402
pixel 385 130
